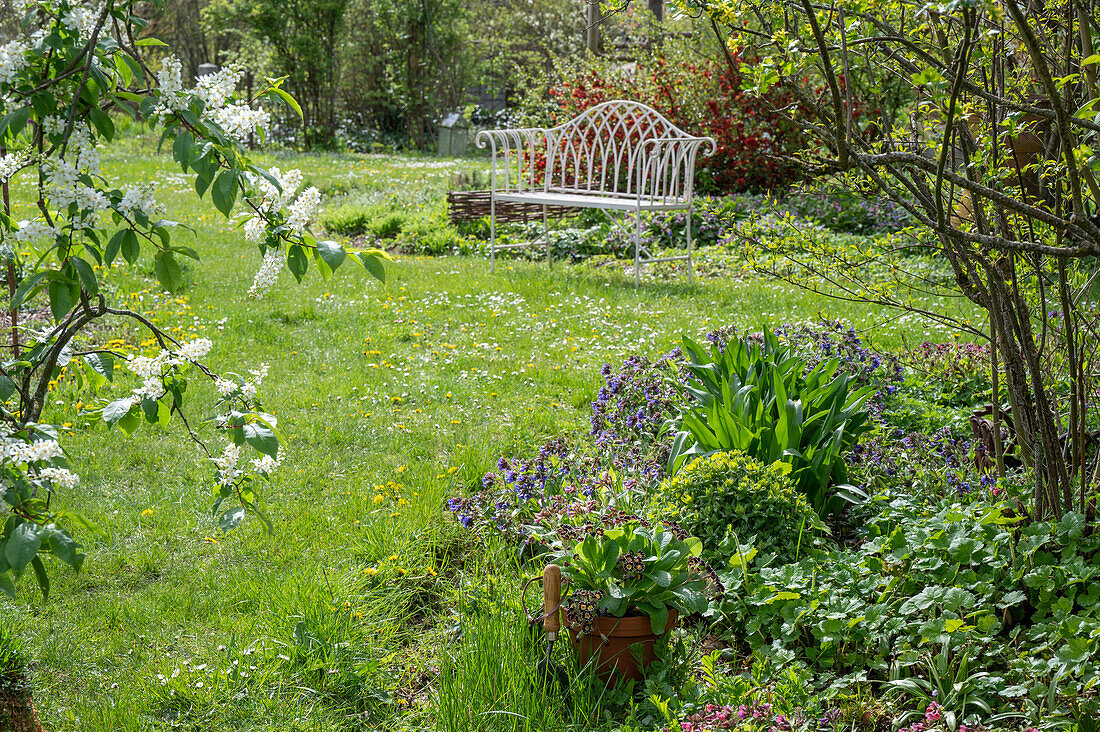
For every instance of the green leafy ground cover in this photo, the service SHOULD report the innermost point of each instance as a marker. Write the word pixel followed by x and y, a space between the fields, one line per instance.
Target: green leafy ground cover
pixel 393 398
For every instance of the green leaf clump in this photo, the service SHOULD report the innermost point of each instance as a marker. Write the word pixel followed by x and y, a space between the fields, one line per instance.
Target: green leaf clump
pixel 730 493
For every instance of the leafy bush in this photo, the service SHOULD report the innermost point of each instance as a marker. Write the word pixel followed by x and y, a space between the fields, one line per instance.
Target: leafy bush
pixel 388 226
pixel 731 492
pixel 844 210
pixel 1016 597
pixel 346 219
pixel 760 399
pixel 703 97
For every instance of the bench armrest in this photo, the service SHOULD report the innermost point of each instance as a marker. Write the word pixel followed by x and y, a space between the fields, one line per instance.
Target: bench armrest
pixel 514 154
pixel 500 141
pixel 666 166
pixel 658 145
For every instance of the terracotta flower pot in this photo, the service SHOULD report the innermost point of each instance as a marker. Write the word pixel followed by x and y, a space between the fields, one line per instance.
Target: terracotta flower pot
pixel 613 655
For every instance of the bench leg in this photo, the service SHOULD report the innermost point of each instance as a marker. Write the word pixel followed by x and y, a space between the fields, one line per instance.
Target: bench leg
pixel 492 235
pixel 637 246
pixel 691 262
pixel 546 233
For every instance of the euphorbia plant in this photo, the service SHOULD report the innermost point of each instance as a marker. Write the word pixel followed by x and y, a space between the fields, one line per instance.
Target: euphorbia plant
pixel 633 569
pixel 72 70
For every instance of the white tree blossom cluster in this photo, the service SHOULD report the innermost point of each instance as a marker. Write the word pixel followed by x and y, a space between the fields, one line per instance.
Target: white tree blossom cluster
pixel 35 460
pixel 228 472
pixel 151 369
pixel 241 392
pixel 13 59
pixel 231 468
pixel 245 389
pixel 302 210
pixel 140 198
pixel 270 204
pixel 238 119
pixel 273 199
pixel 170 81
pixel 82 19
pixel 267 275
pixel 33 230
pixel 217 91
pixel 11 163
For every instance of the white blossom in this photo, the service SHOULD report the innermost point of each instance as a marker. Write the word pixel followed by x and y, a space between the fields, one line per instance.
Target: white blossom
pixel 10 164
pixel 23 453
pixel 82 20
pixel 241 120
pixel 59 477
pixel 140 198
pixel 301 211
pixel 150 369
pixel 217 88
pixel 225 387
pixel 267 465
pixel 267 275
pixel 271 198
pixel 33 231
pixel 53 125
pixel 196 349
pixel 227 464
pixel 252 387
pixel 254 228
pixel 12 60
pixel 170 81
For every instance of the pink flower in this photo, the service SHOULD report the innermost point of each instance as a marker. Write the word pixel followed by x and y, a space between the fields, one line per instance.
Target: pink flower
pixel 933 712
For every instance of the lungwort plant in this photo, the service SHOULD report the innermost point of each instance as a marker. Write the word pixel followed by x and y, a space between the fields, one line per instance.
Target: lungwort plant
pixel 760 399
pixel 636 568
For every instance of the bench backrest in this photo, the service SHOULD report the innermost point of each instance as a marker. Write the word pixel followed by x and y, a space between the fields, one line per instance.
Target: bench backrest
pixel 621 148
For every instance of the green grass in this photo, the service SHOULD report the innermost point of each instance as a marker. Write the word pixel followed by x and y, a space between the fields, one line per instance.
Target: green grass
pixel 345 618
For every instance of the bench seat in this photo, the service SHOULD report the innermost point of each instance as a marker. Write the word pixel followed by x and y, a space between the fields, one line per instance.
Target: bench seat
pixel 594 200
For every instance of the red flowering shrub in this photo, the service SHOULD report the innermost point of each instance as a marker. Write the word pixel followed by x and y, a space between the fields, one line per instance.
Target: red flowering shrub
pixel 703 98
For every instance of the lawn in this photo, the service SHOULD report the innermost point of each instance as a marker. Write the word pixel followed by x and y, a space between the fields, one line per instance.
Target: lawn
pixel 393 397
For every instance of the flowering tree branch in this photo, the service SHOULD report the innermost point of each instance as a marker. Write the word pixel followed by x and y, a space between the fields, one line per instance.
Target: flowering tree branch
pixel 73 65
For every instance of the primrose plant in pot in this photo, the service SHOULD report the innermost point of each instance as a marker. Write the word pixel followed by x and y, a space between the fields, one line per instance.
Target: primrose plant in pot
pixel 628 586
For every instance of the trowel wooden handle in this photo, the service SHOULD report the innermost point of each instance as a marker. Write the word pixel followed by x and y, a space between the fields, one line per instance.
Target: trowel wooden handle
pixel 551 598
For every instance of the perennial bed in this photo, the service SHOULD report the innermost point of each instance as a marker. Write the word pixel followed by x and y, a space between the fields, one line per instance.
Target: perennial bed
pixel 913 619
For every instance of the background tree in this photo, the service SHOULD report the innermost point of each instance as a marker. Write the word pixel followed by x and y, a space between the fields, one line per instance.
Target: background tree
pixel 407 64
pixel 302 36
pixel 179 24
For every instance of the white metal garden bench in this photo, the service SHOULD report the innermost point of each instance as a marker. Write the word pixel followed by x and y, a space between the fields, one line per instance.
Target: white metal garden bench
pixel 616 156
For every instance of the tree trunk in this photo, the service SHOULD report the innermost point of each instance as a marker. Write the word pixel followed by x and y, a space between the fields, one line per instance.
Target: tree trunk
pixel 592 25
pixel 17 712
